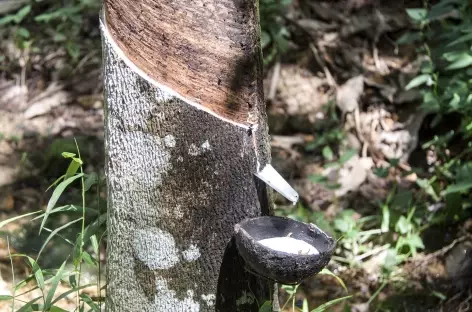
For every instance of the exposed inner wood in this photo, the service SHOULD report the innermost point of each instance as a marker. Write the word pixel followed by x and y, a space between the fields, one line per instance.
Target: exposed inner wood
pixel 205 50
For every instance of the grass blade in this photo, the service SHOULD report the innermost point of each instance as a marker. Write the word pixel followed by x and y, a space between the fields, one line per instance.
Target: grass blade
pixel 28 306
pixel 55 196
pixel 5 297
pixel 5 222
pixel 38 274
pixel 54 284
pixel 326 305
pixel 67 293
pixel 340 281
pixel 54 233
pixel 55 182
pixel 89 302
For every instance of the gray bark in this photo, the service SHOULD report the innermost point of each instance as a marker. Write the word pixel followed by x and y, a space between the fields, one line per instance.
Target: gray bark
pixel 179 180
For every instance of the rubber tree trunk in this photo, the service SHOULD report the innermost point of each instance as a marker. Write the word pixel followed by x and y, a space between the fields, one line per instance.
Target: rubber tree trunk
pixel 185 131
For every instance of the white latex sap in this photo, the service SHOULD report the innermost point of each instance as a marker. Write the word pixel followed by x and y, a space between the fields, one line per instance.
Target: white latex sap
pixel 289 245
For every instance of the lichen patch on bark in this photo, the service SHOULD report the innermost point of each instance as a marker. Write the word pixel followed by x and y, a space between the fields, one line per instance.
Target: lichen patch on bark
pixel 166 299
pixel 169 141
pixel 195 150
pixel 155 248
pixel 209 299
pixel 192 253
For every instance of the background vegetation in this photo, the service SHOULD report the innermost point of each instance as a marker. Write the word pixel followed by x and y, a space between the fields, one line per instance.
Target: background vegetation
pixel 370 112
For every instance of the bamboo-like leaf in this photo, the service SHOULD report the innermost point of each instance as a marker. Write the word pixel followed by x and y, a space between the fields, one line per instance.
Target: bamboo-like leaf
pixel 458 188
pixel 340 281
pixel 55 196
pixel 90 302
pixel 54 233
pixel 90 180
pixel 93 240
pixel 5 222
pixel 38 273
pixel 70 291
pixel 28 306
pixel 418 81
pixel 326 305
pixel 73 167
pixel 57 209
pixel 305 306
pixel 5 297
pixel 464 61
pixel 55 182
pixel 55 282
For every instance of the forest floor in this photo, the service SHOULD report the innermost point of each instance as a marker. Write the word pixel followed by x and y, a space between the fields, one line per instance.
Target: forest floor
pixel 339 117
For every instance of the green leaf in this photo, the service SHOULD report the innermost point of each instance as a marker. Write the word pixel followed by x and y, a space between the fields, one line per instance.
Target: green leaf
pixel 5 297
pixel 417 15
pixel 290 289
pixel 340 281
pixel 55 196
pixel 418 81
pixel 390 260
pixel 5 222
pixel 93 227
pixel 70 291
pixel 266 307
pixel 55 282
pixel 6 19
pixel 347 155
pixel 23 32
pixel 73 49
pixel 90 180
pixel 424 184
pixel 21 14
pixel 381 172
pixel 38 273
pixel 93 240
pixel 409 37
pixel 57 309
pixel 68 155
pixel 385 219
pixel 461 39
pixel 28 306
pixel 53 233
pixel 458 188
pixel 463 61
pixel 305 306
pixel 416 241
pixel 89 259
pixel 73 167
pixel 90 302
pixel 328 153
pixel 25 281
pixel 55 182
pixel 326 305
pixel 403 225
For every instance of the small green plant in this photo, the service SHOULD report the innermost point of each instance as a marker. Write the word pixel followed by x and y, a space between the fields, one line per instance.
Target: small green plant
pixel 274 34
pixel 444 31
pixel 291 290
pixel 42 22
pixel 355 237
pixel 85 248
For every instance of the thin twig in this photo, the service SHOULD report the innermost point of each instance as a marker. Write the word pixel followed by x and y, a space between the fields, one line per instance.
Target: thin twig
pixel 326 71
pixel 274 81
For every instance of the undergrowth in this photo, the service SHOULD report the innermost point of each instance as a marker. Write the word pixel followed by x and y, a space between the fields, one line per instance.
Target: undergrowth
pixel 84 246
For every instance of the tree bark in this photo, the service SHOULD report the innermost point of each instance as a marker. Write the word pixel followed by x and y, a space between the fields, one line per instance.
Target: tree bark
pixel 179 179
